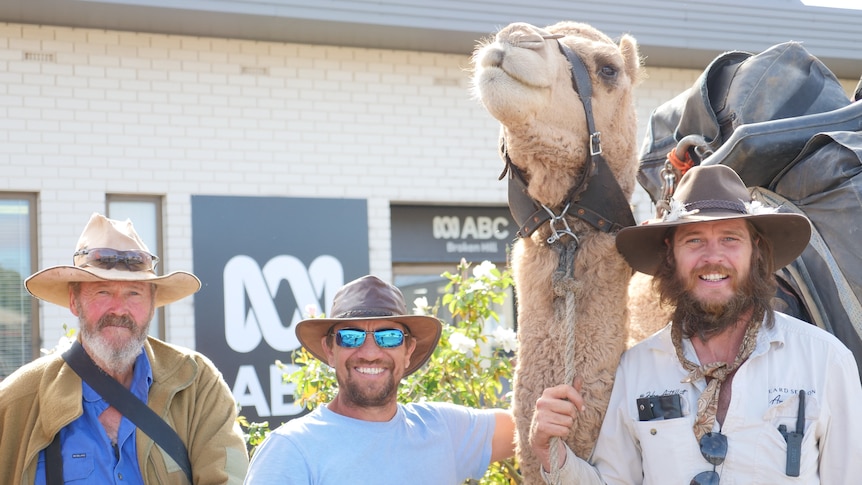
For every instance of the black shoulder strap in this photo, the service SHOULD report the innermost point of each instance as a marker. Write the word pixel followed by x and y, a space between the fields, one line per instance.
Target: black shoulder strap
pixel 129 406
pixel 54 462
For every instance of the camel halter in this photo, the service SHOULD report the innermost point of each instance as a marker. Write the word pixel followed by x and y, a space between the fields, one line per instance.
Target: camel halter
pixel 596 198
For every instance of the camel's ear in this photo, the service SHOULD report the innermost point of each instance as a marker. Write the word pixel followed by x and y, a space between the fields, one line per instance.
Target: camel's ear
pixel 629 50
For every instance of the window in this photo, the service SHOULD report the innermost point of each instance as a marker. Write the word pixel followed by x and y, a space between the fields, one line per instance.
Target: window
pixel 430 240
pixel 19 337
pixel 145 212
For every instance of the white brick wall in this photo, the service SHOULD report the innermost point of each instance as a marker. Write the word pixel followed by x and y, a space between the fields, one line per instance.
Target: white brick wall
pixel 134 113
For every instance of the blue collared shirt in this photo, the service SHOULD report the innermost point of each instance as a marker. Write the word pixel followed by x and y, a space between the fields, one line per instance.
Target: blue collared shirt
pixel 88 455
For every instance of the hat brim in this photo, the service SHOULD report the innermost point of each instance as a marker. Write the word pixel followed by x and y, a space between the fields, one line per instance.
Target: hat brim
pixel 643 247
pixel 52 284
pixel 425 329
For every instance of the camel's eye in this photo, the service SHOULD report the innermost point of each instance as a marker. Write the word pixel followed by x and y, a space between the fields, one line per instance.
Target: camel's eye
pixel 608 72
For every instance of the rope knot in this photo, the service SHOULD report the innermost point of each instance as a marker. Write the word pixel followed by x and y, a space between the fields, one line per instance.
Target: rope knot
pixel 680 164
pixel 564 281
pixel 564 285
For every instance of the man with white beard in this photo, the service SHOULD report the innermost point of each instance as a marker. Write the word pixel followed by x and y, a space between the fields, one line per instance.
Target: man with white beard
pixel 58 424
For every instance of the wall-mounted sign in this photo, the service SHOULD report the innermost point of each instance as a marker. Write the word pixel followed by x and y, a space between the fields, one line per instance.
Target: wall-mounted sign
pixel 445 234
pixel 264 264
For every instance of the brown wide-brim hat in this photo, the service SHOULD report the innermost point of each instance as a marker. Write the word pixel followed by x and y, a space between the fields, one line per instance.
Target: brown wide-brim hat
pixel 370 298
pixel 52 284
pixel 711 193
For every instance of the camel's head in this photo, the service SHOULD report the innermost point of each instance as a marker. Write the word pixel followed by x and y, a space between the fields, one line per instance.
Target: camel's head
pixel 525 81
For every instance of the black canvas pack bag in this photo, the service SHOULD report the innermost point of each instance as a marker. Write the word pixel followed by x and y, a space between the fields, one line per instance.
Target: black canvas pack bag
pixel 825 183
pixel 783 121
pixel 784 82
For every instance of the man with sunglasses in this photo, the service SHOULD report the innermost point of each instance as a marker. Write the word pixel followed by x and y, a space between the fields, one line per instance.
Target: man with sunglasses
pixel 730 391
pixel 364 436
pixel 55 427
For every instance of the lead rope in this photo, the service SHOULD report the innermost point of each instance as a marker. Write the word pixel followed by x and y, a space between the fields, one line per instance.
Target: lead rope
pixel 564 284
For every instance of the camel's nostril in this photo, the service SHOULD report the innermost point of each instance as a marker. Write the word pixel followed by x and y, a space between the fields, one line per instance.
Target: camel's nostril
pixel 492 58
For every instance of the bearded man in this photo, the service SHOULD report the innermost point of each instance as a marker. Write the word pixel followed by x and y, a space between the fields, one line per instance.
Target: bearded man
pixel 730 390
pixel 364 435
pixel 58 425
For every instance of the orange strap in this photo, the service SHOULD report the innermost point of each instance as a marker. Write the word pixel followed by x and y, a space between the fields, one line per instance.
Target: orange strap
pixel 681 165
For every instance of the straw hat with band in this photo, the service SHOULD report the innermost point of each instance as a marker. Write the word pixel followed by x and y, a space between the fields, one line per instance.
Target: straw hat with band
pixel 110 250
pixel 370 298
pixel 711 193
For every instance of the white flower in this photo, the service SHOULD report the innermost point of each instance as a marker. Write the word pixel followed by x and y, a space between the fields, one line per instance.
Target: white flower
pixel 484 269
pixel 63 344
pixel 462 343
pixel 420 306
pixel 506 338
pixel 311 310
pixel 755 207
pixel 677 210
pixel 476 286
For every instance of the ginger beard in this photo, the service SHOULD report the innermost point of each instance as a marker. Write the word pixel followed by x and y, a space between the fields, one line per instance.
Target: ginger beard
pixel 751 297
pixel 707 317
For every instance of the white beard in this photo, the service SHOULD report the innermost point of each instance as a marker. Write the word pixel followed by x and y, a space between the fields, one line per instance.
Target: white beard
pixel 113 360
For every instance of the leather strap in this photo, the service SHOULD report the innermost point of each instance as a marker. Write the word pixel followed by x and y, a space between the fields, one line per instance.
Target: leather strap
pixel 596 197
pixel 582 85
pixel 602 203
pixel 129 406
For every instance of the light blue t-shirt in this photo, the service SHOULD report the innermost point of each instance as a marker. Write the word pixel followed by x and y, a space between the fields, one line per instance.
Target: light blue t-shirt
pixel 425 443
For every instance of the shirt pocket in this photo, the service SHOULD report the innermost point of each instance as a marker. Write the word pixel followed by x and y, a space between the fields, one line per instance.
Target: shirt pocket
pixel 663 442
pixel 78 464
pixel 774 446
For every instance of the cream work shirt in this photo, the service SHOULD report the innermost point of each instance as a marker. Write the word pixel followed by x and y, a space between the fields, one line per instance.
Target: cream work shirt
pixel 789 357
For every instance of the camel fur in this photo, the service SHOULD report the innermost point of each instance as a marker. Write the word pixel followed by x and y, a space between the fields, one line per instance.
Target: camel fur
pixel 524 81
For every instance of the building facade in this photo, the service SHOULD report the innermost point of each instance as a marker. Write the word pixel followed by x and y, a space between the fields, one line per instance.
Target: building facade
pixel 277 154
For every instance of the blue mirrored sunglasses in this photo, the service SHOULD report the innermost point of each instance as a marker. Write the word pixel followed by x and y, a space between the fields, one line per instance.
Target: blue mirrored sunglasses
pixel 107 258
pixel 351 338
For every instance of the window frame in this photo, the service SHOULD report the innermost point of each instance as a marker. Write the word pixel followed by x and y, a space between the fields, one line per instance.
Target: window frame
pixel 35 317
pixel 157 202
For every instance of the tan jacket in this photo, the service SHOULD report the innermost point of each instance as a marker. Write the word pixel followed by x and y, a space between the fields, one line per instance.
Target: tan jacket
pixel 188 392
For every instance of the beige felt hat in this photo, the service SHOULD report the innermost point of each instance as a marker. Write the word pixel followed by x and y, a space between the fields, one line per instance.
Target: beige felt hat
pixel 110 250
pixel 710 193
pixel 370 298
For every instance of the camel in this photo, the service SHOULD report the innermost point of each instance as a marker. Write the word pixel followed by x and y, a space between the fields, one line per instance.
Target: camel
pixel 571 282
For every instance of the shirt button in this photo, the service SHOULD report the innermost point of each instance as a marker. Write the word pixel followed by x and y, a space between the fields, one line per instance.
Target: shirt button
pixel 120 476
pixel 653 431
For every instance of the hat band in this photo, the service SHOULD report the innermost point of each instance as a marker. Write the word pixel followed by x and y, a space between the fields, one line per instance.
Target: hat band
pixel 706 205
pixel 366 313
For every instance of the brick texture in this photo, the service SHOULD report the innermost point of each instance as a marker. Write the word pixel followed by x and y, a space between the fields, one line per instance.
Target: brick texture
pixel 89 112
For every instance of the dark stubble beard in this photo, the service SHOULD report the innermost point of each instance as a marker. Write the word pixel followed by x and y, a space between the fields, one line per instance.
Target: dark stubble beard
pixel 113 360
pixel 369 397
